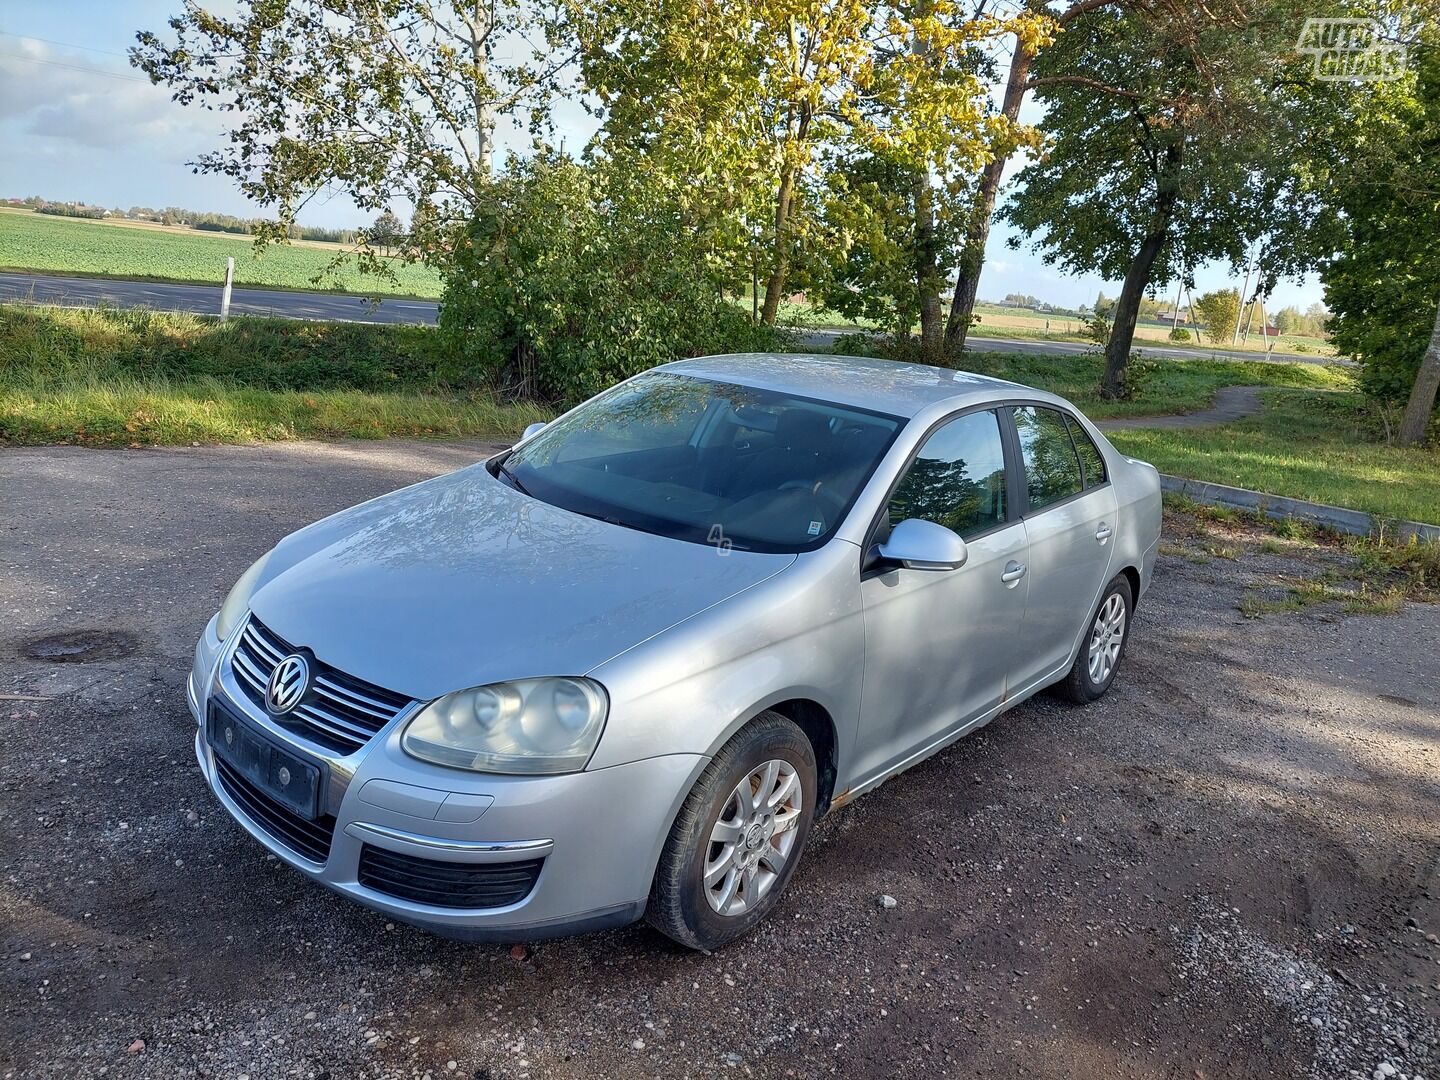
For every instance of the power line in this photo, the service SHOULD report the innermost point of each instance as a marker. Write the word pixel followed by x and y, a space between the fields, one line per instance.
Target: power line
pixel 62 44
pixel 74 67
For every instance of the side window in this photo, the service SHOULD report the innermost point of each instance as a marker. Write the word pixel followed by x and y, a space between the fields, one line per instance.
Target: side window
pixel 1090 459
pixel 958 477
pixel 1052 468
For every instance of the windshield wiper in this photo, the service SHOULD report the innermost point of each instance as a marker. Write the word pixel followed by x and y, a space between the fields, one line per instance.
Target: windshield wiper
pixel 509 475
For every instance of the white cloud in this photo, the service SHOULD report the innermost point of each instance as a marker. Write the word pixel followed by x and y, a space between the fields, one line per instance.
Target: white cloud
pixel 69 98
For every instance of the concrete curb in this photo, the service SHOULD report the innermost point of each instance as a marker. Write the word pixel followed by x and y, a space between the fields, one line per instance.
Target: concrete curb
pixel 1277 506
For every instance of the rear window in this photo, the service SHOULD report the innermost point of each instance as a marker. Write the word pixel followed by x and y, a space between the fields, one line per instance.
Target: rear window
pixel 1091 459
pixel 1052 468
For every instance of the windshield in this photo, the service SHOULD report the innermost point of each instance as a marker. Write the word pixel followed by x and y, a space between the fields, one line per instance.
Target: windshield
pixel 709 462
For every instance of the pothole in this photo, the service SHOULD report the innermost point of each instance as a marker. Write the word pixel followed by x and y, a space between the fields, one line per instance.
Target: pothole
pixel 82 646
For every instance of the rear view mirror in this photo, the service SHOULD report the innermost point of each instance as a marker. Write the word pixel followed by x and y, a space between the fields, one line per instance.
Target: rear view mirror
pixel 917 544
pixel 532 429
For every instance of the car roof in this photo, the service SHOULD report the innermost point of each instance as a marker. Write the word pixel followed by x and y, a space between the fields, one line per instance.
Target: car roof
pixel 879 385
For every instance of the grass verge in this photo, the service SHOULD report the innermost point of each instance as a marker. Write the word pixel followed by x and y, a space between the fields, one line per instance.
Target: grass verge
pixel 157 412
pixel 1342 575
pixel 140 378
pixel 1324 448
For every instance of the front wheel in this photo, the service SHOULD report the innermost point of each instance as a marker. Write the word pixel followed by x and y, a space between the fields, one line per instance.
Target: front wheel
pixel 738 836
pixel 1099 658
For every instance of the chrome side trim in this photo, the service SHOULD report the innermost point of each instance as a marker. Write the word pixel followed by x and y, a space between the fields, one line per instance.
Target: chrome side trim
pixel 435 847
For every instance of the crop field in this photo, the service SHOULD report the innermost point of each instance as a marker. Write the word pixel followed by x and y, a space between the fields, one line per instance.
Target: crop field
pixel 45 244
pixel 1023 322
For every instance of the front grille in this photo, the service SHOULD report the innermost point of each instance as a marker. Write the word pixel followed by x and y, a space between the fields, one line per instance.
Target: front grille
pixel 447 884
pixel 340 713
pixel 308 839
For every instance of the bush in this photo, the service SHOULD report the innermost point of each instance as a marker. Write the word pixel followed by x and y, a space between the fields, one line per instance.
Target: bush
pixel 578 276
pixel 1098 330
pixel 1176 334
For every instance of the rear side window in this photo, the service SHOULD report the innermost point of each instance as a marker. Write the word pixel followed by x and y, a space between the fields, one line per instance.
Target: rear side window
pixel 1052 468
pixel 958 477
pixel 1090 459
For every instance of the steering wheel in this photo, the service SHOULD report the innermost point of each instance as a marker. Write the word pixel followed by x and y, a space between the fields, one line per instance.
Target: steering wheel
pixel 817 490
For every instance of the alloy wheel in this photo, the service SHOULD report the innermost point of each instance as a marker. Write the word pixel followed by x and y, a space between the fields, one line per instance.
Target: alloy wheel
pixel 753 838
pixel 1106 637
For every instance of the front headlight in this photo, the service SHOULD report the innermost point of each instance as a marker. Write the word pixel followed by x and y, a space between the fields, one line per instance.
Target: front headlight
pixel 530 726
pixel 238 602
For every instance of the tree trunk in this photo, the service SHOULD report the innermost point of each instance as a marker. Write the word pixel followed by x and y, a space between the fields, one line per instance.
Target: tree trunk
pixel 927 255
pixel 484 108
pixel 927 272
pixel 1127 307
pixel 780 254
pixel 1422 396
pixel 977 229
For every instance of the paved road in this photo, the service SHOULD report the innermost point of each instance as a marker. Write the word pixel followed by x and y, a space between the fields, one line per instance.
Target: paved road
pixel 1231 403
pixel 205 300
pixel 1208 873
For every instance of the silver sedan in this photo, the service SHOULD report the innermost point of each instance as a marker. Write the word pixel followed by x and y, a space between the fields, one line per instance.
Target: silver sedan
pixel 620 669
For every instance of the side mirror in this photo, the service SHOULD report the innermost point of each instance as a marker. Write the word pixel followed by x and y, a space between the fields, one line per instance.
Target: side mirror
pixel 532 429
pixel 917 544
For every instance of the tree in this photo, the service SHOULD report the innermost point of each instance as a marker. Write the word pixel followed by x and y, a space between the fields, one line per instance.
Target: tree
pixel 1217 311
pixel 1161 159
pixel 386 232
pixel 739 108
pixel 574 276
pixel 876 273
pixel 387 100
pixel 1384 284
pixel 987 185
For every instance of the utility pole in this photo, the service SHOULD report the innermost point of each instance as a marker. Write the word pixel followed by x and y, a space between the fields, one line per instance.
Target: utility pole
pixel 225 293
pixel 1249 266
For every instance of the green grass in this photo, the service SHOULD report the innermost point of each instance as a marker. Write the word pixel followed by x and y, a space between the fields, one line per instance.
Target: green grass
pixel 157 412
pixel 122 378
pixel 1325 448
pixel 46 244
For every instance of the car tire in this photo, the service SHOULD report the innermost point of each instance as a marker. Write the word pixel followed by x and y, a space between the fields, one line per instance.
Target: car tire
pixel 772 759
pixel 1103 646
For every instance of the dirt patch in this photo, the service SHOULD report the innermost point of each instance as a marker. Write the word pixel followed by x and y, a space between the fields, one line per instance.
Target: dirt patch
pixel 82 646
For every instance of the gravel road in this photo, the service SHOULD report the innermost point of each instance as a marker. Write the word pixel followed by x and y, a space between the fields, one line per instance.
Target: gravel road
pixel 1229 867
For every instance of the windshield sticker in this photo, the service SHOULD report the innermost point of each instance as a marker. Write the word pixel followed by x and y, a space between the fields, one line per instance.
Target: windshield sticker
pixel 815 527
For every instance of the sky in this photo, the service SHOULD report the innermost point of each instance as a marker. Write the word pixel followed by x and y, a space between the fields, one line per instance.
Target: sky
pixel 78 123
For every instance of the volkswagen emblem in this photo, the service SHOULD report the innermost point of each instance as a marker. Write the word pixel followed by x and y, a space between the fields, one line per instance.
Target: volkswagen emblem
pixel 288 684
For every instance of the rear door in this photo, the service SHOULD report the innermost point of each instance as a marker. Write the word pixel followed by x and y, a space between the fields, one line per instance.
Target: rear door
pixel 1070 513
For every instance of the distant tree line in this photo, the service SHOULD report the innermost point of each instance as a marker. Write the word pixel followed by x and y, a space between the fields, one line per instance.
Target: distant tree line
pixel 203 220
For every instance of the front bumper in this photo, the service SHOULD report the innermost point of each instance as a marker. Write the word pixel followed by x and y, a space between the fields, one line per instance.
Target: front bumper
pixel 599 833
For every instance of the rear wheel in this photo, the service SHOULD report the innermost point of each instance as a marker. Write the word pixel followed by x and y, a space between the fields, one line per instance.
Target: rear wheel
pixel 738 836
pixel 1099 658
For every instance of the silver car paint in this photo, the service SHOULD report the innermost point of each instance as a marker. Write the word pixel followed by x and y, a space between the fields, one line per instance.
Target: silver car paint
pixel 460 581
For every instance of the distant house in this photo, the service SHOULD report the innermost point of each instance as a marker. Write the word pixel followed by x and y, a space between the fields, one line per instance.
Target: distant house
pixel 1169 316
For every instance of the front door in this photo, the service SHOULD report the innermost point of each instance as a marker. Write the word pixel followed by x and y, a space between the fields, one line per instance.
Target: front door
pixel 1069 519
pixel 939 643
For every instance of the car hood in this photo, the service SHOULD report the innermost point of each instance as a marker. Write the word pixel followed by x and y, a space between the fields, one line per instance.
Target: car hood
pixel 461 581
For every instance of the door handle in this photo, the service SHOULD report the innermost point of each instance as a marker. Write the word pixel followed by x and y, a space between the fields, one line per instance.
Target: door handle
pixel 1014 571
pixel 1103 533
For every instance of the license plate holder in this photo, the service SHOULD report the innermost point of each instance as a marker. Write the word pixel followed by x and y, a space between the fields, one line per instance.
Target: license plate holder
pixel 284 776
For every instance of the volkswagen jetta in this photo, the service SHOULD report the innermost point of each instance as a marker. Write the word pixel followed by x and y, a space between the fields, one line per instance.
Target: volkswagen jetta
pixel 619 669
